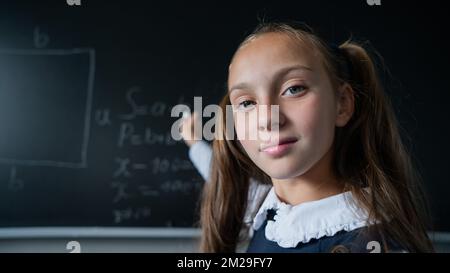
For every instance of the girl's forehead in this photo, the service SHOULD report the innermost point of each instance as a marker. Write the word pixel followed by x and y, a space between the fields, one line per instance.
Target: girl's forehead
pixel 271 51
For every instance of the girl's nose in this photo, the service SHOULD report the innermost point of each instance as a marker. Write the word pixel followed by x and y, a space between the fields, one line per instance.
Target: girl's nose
pixel 270 117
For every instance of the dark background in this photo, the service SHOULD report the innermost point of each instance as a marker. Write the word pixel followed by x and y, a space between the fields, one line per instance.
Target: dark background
pixel 167 53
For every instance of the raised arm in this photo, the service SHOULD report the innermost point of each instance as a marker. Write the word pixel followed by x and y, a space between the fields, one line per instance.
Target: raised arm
pixel 200 152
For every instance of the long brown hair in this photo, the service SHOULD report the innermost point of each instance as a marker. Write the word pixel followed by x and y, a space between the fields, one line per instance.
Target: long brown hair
pixel 368 153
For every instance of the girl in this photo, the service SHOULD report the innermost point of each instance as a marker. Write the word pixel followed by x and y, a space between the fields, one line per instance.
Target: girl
pixel 338 179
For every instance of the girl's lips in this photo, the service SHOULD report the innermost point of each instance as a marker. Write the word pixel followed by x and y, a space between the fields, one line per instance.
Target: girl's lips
pixel 280 149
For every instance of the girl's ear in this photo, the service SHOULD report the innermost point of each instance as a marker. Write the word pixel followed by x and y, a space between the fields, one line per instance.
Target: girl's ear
pixel 345 104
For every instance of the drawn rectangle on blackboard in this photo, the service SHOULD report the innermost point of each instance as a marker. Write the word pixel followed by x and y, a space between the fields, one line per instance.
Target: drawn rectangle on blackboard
pixel 45 106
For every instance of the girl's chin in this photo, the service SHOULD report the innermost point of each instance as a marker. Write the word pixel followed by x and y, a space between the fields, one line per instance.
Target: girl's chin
pixel 280 172
pixel 282 168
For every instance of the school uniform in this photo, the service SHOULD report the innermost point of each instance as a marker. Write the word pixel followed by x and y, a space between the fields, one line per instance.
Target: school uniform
pixel 331 224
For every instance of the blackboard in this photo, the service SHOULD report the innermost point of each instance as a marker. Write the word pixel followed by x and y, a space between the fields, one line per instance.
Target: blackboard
pixel 86 93
pixel 71 164
pixel 86 120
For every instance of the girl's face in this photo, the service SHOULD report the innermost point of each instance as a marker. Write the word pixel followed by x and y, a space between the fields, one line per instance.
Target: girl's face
pixel 274 69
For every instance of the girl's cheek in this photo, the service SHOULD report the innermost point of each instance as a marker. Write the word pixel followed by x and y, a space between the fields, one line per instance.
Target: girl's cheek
pixel 251 148
pixel 243 127
pixel 309 120
pixel 246 126
pixel 239 126
pixel 318 119
pixel 304 116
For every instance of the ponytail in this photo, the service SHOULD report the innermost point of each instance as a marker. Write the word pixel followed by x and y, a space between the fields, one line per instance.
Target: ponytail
pixel 369 150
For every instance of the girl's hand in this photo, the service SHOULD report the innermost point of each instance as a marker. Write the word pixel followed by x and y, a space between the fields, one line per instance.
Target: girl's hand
pixel 187 129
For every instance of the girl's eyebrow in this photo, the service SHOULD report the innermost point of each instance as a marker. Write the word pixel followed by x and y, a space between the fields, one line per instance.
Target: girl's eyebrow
pixel 280 72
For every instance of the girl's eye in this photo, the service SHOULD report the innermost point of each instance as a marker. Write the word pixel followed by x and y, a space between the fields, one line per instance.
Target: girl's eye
pixel 244 104
pixel 294 90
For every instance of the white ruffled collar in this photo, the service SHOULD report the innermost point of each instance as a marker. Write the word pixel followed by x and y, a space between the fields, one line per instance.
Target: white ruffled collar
pixel 309 220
